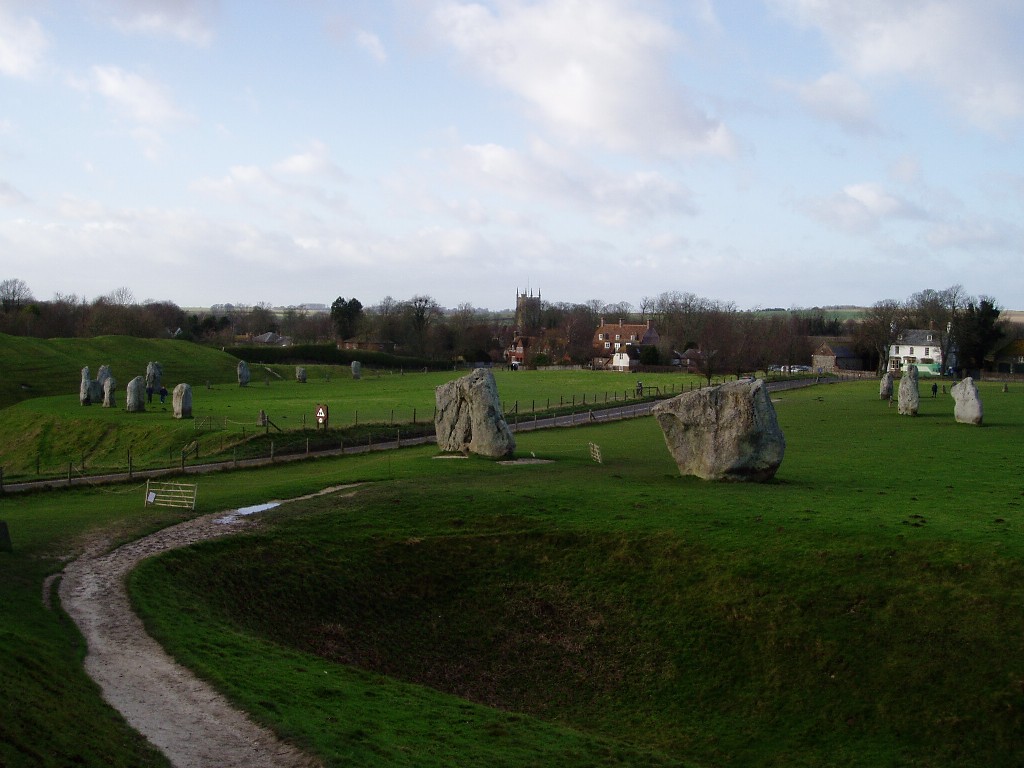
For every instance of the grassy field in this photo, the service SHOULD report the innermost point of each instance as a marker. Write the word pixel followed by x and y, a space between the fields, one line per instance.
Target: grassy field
pixel 50 436
pixel 863 609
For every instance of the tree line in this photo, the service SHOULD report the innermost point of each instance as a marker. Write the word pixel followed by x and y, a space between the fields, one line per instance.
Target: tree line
pixel 727 339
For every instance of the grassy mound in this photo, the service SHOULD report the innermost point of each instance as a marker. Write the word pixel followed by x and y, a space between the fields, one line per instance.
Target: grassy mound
pixel 857 611
pixel 46 367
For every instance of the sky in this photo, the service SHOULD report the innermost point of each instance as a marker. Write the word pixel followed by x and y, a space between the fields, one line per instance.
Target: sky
pixel 768 153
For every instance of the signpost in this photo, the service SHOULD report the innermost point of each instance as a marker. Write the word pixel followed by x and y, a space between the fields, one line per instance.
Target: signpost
pixel 322 415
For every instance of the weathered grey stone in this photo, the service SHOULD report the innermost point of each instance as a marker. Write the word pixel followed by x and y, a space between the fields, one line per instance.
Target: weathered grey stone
pixel 469 417
pixel 300 374
pixel 262 419
pixel 243 373
pixel 728 432
pixel 909 395
pixel 181 401
pixel 357 370
pixel 109 386
pixel 967 408
pixel 885 386
pixel 154 372
pixel 135 395
pixel 85 388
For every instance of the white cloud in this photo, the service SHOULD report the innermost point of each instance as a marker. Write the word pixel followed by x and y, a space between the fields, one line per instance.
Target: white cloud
pixel 134 96
pixel 370 43
pixel 594 71
pixel 11 196
pixel 968 50
pixel 616 199
pixel 838 97
pixel 860 207
pixel 977 233
pixel 22 45
pixel 184 20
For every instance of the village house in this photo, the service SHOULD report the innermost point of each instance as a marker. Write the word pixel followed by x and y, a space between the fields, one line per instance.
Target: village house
pixel 617 345
pixel 917 347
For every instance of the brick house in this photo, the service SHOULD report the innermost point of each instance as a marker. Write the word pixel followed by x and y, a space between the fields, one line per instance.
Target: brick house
pixel 609 337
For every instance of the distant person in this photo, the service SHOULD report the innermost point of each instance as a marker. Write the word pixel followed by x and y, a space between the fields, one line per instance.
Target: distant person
pixel 163 394
pixel 639 389
pixel 935 389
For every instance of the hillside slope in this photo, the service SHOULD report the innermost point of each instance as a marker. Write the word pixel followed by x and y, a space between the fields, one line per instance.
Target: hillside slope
pixel 32 367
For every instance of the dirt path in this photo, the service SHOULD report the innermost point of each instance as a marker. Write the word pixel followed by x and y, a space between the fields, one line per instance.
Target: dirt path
pixel 183 716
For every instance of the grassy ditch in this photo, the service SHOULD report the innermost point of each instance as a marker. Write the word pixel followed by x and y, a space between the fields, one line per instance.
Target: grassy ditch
pixel 862 609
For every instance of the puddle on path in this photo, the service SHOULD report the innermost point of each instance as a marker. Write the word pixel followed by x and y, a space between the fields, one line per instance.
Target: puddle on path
pixel 244 511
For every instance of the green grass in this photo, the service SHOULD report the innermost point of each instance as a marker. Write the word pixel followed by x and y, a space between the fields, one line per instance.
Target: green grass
pixel 862 609
pixel 46 437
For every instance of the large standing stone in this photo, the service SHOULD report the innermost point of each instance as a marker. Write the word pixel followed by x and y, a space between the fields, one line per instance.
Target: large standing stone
pixel 85 388
pixel 885 386
pixel 967 409
pixel 469 417
pixel 300 374
pixel 909 395
pixel 109 386
pixel 154 372
pixel 357 370
pixel 728 432
pixel 181 401
pixel 243 373
pixel 135 395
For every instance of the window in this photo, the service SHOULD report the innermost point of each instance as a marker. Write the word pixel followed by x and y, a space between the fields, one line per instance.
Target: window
pixel 600 337
pixel 897 350
pixel 617 337
pixel 607 345
pixel 926 351
pixel 911 351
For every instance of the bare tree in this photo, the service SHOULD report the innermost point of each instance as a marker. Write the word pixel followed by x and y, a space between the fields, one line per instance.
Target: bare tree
pixel 882 323
pixel 14 294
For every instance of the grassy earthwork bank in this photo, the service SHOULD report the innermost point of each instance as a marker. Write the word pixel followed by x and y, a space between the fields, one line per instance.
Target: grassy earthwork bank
pixel 860 610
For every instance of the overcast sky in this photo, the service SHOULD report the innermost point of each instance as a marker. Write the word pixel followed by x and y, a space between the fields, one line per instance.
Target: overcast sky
pixel 790 153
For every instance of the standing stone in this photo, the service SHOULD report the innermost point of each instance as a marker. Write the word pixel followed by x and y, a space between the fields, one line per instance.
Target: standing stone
pixel 357 370
pixel 84 389
pixel 243 373
pixel 300 374
pixel 262 419
pixel 728 432
pixel 109 385
pixel 469 417
pixel 181 401
pixel 909 396
pixel 135 395
pixel 967 409
pixel 154 372
pixel 885 386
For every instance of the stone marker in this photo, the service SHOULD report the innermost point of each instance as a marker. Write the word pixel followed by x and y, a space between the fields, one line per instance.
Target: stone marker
pixel 262 419
pixel 300 374
pixel 728 432
pixel 967 409
pixel 885 386
pixel 909 396
pixel 109 386
pixel 243 373
pixel 154 372
pixel 181 401
pixel 84 389
pixel 135 395
pixel 357 370
pixel 5 538
pixel 469 417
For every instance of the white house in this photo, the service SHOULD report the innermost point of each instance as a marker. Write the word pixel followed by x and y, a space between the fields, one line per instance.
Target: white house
pixel 917 347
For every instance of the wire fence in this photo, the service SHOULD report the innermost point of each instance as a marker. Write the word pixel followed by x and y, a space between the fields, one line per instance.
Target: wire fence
pixel 218 442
